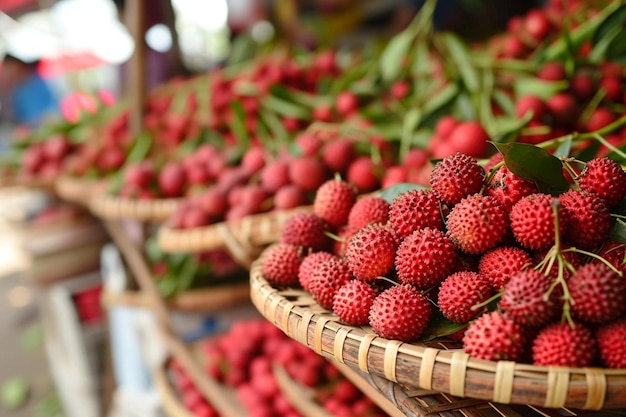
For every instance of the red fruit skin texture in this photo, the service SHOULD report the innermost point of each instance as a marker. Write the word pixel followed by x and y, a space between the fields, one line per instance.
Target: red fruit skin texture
pixel 558 344
pixel 363 173
pixel 368 210
pixel 529 103
pixel 606 178
pixel 615 254
pixel 508 188
pixel 425 258
pixel 459 292
pixel 333 201
pixel 338 154
pixel 499 264
pixel 307 172
pixel 523 299
pixel 371 252
pixel 477 224
pixel 326 278
pixel 415 210
pixel 280 264
pixel 456 177
pixel 532 221
pixel 469 138
pixel 171 180
pixel 599 293
pixel 306 230
pixel 289 196
pixel 308 264
pixel 400 313
pixel 494 337
pixel 611 339
pixel 589 220
pixel 275 175
pixel 352 302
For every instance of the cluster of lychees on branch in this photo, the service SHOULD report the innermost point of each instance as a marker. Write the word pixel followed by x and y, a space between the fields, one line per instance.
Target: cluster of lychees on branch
pixel 519 274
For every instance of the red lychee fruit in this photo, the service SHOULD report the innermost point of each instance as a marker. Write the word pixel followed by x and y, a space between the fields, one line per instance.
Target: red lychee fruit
pixel 598 293
pixel 371 252
pixel 306 230
pixel 459 293
pixel 588 217
pixel 326 278
pixel 537 25
pixel 600 118
pixel 425 258
pixel 307 172
pixel 280 264
pixel 604 177
pixel 525 300
pixel 333 201
pixel 338 154
pixel 172 180
pixel 364 174
pixel 552 71
pixel 477 224
pixel 615 254
pixel 289 196
pixel 368 210
pixel 456 177
pixel 415 210
pixel 508 188
pixel 400 313
pixel 532 221
pixel 347 103
pixel 275 175
pixel 499 264
pixel 563 107
pixel 494 337
pixel 308 263
pixel 611 339
pixel 352 302
pixel 558 344
pixel 530 103
pixel 253 160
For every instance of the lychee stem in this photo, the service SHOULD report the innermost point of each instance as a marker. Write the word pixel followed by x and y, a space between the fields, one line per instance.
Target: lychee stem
pixel 604 142
pixel 587 135
pixel 490 175
pixel 387 279
pixel 487 301
pixel 335 237
pixel 595 256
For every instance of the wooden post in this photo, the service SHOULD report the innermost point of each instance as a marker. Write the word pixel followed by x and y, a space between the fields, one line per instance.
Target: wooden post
pixel 135 87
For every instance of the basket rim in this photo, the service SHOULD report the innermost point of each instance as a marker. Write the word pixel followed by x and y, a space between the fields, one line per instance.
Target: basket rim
pixel 112 207
pixel 429 365
pixel 79 189
pixel 253 230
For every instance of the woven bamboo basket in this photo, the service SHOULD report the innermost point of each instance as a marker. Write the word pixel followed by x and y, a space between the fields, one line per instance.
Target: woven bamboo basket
pixel 434 366
pixel 79 190
pixel 111 207
pixel 243 238
pixel 170 399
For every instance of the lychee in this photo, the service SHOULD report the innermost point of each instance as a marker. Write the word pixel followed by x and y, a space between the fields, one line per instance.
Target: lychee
pixel 525 298
pixel 371 252
pixel 326 278
pixel 611 339
pixel 588 217
pixel 333 201
pixel 280 264
pixel 532 220
pixel 606 178
pixel 414 210
pixel 367 210
pixel 352 302
pixel 499 264
pixel 306 230
pixel 508 188
pixel 494 337
pixel 559 344
pixel 307 265
pixel 459 293
pixel 456 177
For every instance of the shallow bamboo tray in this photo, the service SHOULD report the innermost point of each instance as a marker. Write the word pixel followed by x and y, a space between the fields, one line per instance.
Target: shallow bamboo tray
pixel 434 366
pixel 170 399
pixel 79 190
pixel 111 207
pixel 242 238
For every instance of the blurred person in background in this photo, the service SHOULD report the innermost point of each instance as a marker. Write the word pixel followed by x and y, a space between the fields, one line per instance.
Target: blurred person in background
pixel 29 99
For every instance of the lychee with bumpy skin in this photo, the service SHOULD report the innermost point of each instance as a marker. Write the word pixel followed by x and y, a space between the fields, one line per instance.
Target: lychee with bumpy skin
pixel 371 252
pixel 334 200
pixel 606 178
pixel 611 339
pixel 499 264
pixel 425 258
pixel 280 264
pixel 589 219
pixel 307 172
pixel 368 210
pixel 615 254
pixel 326 278
pixel 494 337
pixel 459 293
pixel 525 298
pixel 598 293
pixel 558 344
pixel 352 302
pixel 306 230
pixel 400 313
pixel 456 177
pixel 415 210
pixel 477 223
pixel 307 265
pixel 532 221
pixel 508 188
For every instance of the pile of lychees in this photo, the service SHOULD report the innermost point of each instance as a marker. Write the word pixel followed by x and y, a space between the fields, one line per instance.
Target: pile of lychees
pixel 527 276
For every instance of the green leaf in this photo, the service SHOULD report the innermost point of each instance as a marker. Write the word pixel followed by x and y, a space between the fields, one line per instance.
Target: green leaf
pixel 392 58
pixel 440 326
pixel 504 100
pixel 616 50
pixel 507 125
pixel 616 19
pixel 390 193
pixel 533 163
pixel 140 148
pixel 444 97
pixel 410 122
pixel 564 149
pixel 238 125
pixel 153 250
pixel 618 231
pixel 285 108
pixel 541 88
pixel 167 285
pixel 598 52
pixel 187 274
pixel 461 57
pixel 15 393
pixel 464 108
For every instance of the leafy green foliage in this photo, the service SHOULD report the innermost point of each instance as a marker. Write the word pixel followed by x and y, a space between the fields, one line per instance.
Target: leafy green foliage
pixel 390 193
